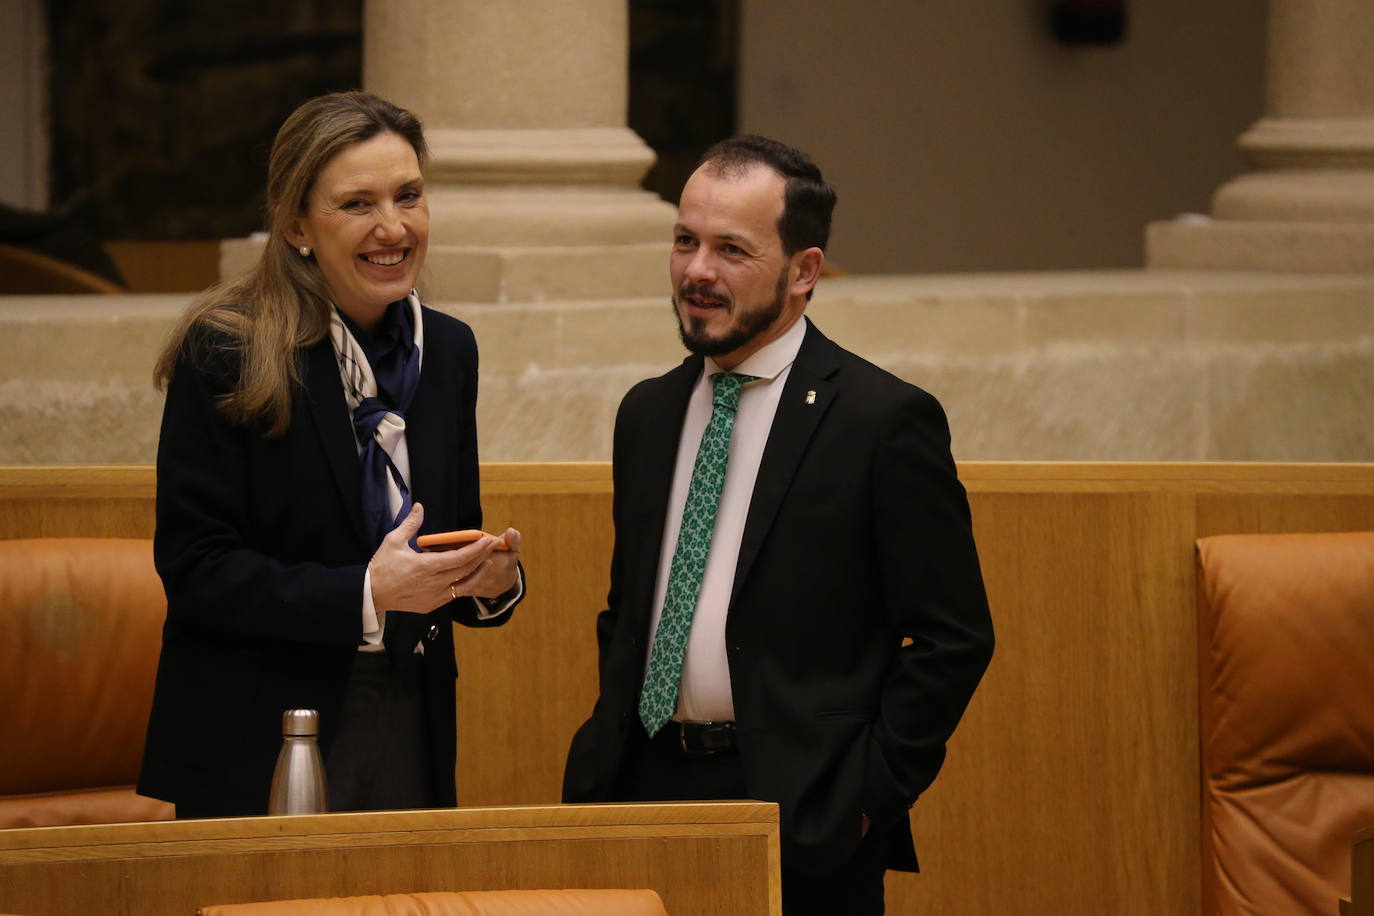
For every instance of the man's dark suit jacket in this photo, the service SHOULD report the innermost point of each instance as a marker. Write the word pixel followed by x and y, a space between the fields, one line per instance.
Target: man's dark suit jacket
pixel 262 550
pixel 858 537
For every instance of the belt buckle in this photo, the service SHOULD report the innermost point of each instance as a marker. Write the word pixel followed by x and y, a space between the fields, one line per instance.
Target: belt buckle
pixel 702 750
pixel 682 737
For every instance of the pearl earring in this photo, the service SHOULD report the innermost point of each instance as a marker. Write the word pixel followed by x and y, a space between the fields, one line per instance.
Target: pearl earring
pixel 305 251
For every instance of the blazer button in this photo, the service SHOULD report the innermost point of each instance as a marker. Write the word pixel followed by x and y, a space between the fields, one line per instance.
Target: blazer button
pixel 433 632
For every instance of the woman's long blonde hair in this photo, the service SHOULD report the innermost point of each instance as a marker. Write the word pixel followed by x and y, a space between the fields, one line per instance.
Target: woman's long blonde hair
pixel 264 316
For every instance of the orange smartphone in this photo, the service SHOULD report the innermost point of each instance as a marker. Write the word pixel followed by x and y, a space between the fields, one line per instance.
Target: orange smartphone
pixel 452 540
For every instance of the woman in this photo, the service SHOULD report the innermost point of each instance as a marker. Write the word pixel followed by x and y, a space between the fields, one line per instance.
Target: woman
pixel 317 418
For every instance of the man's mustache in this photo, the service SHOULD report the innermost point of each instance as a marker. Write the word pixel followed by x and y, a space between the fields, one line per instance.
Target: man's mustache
pixel 705 294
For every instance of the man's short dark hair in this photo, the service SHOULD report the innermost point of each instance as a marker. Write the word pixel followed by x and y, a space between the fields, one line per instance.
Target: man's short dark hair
pixel 808 201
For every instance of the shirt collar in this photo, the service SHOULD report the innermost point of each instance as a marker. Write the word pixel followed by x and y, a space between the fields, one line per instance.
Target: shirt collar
pixel 772 358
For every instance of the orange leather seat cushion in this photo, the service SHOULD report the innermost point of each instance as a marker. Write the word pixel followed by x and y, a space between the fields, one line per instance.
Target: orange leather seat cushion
pixel 83 806
pixel 82 620
pixel 579 902
pixel 1286 675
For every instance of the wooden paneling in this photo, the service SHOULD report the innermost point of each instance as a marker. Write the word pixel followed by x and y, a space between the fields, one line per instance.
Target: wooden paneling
pixel 546 655
pixel 60 501
pixel 1071 787
pixel 1082 730
pixel 166 266
pixel 1362 874
pixel 173 867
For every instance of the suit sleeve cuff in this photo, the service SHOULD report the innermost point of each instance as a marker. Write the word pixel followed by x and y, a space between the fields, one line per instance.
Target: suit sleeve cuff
pixel 488 608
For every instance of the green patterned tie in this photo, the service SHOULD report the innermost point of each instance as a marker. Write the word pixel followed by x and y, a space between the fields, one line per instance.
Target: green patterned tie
pixel 658 699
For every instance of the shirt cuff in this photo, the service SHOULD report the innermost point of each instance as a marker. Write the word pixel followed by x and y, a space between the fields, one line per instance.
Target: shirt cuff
pixel 372 618
pixel 487 608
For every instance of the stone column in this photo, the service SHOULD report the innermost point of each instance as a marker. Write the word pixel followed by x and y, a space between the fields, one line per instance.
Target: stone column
pixel 534 182
pixel 1309 203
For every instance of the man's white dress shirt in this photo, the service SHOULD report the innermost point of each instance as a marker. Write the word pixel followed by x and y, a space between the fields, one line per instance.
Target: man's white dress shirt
pixel 704 694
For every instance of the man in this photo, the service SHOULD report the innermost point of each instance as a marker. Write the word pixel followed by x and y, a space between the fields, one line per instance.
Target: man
pixel 787 516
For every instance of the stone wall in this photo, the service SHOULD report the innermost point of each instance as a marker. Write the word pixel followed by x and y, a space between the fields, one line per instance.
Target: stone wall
pixel 1126 365
pixel 963 137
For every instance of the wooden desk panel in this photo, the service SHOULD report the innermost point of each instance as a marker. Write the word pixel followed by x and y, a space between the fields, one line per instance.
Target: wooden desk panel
pixel 173 867
pixel 61 501
pixel 1362 874
pixel 1081 740
pixel 542 665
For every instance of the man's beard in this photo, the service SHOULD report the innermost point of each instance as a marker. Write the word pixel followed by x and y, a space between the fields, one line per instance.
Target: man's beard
pixel 747 326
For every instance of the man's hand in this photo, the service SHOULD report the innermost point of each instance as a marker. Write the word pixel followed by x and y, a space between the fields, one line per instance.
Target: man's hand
pixel 404 579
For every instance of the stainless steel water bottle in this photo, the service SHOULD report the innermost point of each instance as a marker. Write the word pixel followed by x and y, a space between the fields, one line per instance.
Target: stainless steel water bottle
pixel 298 781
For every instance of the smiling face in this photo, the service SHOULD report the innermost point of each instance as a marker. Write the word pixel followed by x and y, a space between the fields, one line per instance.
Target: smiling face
pixel 735 290
pixel 367 224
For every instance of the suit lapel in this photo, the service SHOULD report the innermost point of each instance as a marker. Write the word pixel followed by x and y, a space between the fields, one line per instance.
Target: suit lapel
pixel 324 398
pixel 799 414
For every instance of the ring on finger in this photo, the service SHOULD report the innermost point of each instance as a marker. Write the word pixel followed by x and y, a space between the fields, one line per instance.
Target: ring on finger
pixel 453 590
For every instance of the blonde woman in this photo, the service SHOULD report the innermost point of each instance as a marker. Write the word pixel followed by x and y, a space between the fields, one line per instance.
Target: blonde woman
pixel 317 419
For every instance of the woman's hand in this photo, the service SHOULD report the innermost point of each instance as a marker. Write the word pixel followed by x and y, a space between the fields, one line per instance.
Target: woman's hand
pixel 404 579
pixel 498 575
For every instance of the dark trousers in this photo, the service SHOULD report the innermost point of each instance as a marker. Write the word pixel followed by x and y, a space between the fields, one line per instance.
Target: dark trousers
pixel 380 758
pixel 657 769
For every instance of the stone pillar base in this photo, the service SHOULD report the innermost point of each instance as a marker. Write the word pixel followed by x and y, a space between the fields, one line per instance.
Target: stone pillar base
pixel 493 274
pixel 523 274
pixel 1326 195
pixel 1316 247
pixel 1308 204
pixel 534 216
pixel 544 214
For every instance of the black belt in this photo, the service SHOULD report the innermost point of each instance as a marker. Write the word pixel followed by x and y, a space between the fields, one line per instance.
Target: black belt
pixel 704 739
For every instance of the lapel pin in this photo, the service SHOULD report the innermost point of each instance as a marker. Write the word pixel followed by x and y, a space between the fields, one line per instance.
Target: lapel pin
pixel 811 397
